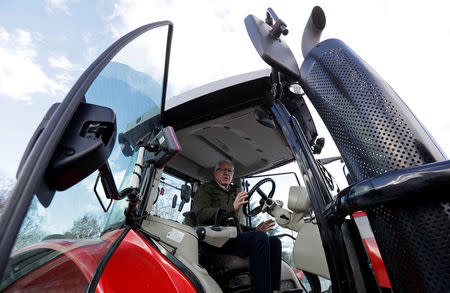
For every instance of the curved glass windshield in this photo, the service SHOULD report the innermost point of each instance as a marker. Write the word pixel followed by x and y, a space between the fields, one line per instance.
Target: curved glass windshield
pixel 71 232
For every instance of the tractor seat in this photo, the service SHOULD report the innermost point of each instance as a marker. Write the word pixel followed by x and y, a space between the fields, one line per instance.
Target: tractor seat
pixel 229 271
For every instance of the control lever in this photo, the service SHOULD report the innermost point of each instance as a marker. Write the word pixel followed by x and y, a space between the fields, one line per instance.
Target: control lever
pixel 219 214
pixel 185 195
pixel 174 201
pixel 181 205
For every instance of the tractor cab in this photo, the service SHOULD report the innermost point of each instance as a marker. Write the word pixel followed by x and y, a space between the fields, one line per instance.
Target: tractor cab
pixel 249 136
pixel 106 188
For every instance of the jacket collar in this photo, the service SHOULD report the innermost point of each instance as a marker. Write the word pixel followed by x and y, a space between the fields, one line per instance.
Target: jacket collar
pixel 223 187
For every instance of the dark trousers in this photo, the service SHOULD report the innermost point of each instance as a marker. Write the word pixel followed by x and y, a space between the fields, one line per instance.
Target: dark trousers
pixel 265 258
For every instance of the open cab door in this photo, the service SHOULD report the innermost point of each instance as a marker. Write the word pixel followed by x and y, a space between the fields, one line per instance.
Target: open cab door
pixel 54 220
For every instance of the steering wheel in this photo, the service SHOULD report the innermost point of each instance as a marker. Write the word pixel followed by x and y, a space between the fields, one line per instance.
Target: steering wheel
pixel 261 193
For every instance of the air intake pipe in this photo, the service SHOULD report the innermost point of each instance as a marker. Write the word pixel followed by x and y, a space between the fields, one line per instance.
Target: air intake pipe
pixel 313 30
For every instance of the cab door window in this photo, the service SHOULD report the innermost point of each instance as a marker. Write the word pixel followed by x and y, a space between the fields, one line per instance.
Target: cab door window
pixel 169 203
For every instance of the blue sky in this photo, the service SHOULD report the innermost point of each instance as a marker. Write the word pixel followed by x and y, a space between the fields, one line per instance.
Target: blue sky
pixel 45 46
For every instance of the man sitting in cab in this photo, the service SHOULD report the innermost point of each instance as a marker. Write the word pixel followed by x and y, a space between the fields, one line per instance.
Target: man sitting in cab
pixel 264 251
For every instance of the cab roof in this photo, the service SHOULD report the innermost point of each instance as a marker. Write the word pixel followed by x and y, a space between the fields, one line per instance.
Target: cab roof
pixel 219 121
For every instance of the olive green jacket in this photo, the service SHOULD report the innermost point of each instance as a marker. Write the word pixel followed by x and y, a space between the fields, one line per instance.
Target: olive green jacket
pixel 210 197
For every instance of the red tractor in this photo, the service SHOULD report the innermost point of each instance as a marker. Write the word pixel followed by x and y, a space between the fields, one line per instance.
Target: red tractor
pixel 104 193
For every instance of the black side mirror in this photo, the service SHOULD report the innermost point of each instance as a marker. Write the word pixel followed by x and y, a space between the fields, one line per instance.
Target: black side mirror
pixel 85 147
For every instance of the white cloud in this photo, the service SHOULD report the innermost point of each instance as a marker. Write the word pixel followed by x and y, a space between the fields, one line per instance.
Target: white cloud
pixel 4 35
pixel 87 37
pixel 23 37
pixel 91 53
pixel 64 78
pixel 60 62
pixel 20 75
pixel 210 41
pixel 52 5
pixel 405 42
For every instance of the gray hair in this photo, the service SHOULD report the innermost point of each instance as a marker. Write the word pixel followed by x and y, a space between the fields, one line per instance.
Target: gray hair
pixel 223 161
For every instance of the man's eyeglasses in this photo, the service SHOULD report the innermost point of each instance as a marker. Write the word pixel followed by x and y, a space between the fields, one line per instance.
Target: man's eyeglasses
pixel 225 169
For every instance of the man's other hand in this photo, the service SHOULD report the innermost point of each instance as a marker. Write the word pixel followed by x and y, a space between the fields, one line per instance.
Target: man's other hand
pixel 266 226
pixel 240 200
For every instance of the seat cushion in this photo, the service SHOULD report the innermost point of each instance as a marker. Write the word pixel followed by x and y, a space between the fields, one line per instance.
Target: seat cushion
pixel 229 262
pixel 213 258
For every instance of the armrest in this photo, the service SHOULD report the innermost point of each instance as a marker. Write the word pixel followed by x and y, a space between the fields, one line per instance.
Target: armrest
pixel 215 237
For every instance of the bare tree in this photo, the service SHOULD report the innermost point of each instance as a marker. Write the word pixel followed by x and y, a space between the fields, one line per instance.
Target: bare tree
pixel 6 185
pixel 30 231
pixel 86 226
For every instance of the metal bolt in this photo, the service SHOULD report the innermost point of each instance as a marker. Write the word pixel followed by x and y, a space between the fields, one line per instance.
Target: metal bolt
pixel 69 152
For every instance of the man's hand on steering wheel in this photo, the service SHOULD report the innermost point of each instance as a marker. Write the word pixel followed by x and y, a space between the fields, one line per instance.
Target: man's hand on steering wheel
pixel 240 200
pixel 266 226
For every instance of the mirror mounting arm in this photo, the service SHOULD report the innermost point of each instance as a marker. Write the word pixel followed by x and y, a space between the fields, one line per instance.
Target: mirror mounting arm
pixel 277 88
pixel 109 185
pixel 134 198
pixel 269 19
pixel 279 27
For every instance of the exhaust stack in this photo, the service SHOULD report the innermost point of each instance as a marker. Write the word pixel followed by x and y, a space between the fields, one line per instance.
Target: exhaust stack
pixel 313 30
